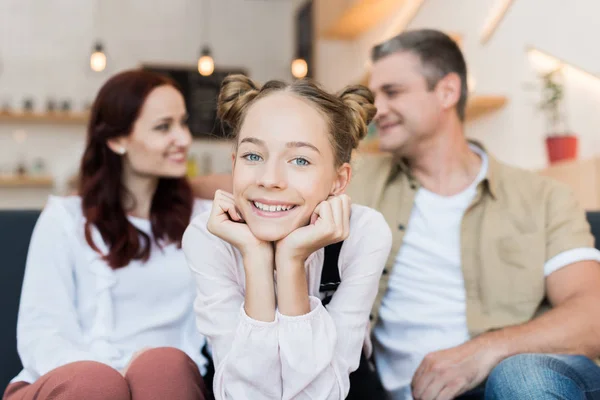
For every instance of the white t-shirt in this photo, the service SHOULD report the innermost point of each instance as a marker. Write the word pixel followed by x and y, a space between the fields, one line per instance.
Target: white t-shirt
pixel 74 307
pixel 424 309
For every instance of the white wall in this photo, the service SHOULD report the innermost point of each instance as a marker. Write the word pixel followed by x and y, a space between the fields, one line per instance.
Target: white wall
pixel 501 66
pixel 45 48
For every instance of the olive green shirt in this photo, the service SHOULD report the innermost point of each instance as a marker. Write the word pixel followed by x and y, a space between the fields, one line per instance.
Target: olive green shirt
pixel 517 221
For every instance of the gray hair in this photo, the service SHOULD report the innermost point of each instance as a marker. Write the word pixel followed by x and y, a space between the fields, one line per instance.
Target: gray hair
pixel 439 55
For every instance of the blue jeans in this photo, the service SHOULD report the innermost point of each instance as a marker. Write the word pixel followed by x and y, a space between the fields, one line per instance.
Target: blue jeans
pixel 541 376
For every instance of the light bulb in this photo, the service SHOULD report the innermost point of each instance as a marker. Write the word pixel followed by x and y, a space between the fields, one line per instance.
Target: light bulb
pixel 98 59
pixel 299 68
pixel 206 65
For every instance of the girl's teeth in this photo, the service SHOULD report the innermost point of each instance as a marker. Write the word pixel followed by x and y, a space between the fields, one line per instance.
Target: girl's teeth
pixel 273 208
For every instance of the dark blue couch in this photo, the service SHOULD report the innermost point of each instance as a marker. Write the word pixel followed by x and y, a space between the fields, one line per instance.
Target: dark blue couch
pixel 15 232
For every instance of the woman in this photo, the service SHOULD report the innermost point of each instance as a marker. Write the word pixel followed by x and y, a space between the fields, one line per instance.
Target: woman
pixel 106 309
pixel 258 255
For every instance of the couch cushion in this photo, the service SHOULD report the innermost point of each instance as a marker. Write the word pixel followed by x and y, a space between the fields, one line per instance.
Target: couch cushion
pixel 15 232
pixel 594 220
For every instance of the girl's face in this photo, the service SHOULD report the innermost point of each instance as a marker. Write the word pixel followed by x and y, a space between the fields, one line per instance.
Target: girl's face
pixel 284 165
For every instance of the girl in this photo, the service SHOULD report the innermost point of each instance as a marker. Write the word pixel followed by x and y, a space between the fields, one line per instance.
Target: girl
pixel 106 308
pixel 258 255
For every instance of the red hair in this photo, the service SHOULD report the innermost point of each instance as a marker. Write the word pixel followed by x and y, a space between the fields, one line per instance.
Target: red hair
pixel 113 114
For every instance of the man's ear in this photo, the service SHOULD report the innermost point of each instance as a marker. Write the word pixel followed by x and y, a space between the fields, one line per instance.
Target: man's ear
pixel 449 90
pixel 344 174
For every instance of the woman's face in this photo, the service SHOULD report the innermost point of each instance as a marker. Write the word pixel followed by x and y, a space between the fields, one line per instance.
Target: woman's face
pixel 159 142
pixel 284 165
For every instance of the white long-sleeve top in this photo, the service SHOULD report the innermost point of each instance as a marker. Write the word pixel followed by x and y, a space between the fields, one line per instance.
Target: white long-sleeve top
pixel 301 357
pixel 74 307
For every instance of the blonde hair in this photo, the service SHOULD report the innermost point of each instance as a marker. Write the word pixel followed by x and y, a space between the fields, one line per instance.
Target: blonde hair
pixel 348 113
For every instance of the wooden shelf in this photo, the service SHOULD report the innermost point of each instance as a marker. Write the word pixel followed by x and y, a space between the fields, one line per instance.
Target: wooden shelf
pixel 480 105
pixel 15 181
pixel 370 145
pixel 58 117
pixel 348 19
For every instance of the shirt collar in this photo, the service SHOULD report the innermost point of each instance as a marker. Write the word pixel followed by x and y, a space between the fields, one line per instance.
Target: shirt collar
pixel 490 181
pixel 491 177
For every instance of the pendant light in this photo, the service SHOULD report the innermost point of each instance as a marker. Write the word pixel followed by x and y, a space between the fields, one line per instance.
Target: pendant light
pixel 299 68
pixel 206 64
pixel 98 58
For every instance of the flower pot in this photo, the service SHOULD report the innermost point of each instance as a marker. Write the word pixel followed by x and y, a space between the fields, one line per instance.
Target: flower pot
pixel 561 148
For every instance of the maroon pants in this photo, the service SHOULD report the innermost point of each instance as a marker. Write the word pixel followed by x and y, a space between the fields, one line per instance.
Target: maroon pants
pixel 161 373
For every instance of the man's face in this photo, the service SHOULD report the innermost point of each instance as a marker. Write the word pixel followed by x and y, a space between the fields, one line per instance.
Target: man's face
pixel 407 111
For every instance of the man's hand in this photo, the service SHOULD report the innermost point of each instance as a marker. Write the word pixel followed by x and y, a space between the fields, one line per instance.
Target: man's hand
pixel 445 374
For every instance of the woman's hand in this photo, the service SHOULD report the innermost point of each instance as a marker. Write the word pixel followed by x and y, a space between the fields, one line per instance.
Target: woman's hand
pixel 226 223
pixel 330 223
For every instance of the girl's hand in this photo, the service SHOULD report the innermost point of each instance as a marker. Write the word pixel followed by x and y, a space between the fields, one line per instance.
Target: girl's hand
pixel 226 223
pixel 330 223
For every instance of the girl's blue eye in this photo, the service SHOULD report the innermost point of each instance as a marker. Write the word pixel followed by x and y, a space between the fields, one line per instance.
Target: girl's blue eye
pixel 300 161
pixel 252 157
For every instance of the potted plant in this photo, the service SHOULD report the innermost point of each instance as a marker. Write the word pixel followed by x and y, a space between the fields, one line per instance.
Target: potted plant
pixel 561 144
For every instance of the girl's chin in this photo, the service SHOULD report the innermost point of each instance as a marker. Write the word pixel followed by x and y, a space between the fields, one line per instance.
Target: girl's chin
pixel 272 231
pixel 270 235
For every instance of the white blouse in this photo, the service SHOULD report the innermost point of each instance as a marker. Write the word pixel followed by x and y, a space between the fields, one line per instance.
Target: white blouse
pixel 74 307
pixel 301 357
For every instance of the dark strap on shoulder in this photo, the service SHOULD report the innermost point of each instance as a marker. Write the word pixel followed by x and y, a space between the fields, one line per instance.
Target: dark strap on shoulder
pixel 330 276
pixel 364 382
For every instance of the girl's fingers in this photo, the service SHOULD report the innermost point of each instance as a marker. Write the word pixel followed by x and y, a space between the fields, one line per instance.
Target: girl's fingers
pixel 346 207
pixel 225 202
pixel 337 213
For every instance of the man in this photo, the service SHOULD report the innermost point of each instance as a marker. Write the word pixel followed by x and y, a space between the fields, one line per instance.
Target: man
pixel 479 248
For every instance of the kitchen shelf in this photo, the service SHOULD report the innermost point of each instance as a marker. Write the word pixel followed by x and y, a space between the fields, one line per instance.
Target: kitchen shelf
pixel 17 181
pixel 58 117
pixel 480 105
